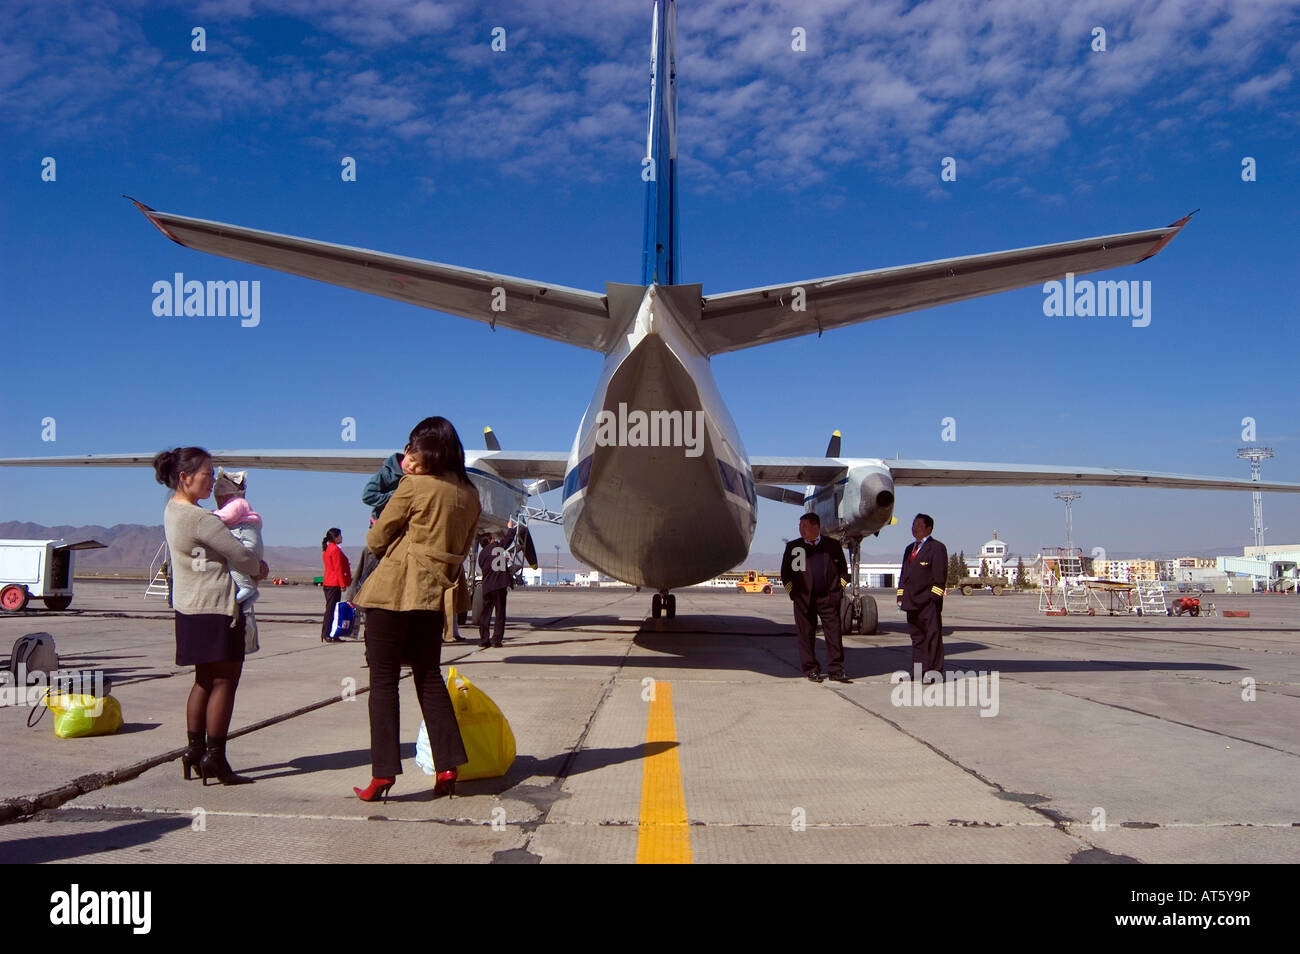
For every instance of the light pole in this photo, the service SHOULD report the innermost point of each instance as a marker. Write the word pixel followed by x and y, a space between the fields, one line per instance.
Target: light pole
pixel 557 564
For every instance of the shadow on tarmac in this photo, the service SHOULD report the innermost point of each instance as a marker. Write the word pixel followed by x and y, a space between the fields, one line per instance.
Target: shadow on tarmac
pixel 46 848
pixel 737 652
pixel 525 767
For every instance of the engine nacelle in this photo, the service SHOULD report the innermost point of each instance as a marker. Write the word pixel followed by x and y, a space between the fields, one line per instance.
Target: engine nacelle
pixel 858 504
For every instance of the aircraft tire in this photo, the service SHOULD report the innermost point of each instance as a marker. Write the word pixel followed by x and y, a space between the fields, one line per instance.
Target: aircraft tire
pixel 870 616
pixel 850 615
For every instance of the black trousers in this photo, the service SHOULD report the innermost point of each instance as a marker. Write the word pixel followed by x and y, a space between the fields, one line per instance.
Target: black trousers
pixel 807 610
pixel 332 595
pixel 414 637
pixel 926 628
pixel 494 600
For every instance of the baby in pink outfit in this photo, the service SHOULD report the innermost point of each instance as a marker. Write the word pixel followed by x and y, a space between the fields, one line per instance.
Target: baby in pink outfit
pixel 246 525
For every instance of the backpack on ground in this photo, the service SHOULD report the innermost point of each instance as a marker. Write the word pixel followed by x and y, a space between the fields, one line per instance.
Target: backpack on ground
pixel 34 653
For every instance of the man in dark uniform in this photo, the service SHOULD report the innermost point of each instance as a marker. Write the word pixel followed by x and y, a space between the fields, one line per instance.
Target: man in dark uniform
pixel 813 572
pixel 498 577
pixel 920 594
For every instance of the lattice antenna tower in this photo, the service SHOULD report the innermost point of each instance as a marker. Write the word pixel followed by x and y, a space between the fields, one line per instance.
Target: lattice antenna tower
pixel 1256 454
pixel 1069 496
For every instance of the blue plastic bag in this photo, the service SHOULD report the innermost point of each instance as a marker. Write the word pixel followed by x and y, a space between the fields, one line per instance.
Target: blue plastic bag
pixel 345 617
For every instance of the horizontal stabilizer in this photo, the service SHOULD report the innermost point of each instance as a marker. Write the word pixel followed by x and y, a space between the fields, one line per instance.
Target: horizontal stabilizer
pixel 743 319
pixel 570 315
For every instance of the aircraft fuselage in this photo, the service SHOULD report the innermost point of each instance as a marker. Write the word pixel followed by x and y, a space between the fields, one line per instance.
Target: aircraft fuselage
pixel 658 490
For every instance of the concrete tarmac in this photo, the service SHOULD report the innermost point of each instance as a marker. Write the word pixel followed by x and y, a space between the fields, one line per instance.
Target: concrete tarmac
pixel 1115 739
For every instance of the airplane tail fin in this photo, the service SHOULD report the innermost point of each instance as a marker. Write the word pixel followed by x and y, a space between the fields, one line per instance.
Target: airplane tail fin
pixel 661 250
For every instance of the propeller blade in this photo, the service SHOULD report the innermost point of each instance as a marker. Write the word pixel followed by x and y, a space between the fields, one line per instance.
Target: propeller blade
pixel 833 448
pixel 490 439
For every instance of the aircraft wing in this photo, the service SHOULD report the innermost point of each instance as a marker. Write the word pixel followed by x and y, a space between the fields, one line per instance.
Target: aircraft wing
pixel 939 473
pixel 510 465
pixel 948 473
pixel 742 319
pixel 798 470
pixel 523 465
pixel 326 461
pixel 570 315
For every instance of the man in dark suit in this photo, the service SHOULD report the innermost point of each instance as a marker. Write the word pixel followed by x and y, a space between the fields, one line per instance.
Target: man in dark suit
pixel 920 593
pixel 498 577
pixel 813 572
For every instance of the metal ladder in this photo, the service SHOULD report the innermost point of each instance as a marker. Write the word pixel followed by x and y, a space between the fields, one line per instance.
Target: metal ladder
pixel 1076 600
pixel 1151 598
pixel 158 574
pixel 1059 565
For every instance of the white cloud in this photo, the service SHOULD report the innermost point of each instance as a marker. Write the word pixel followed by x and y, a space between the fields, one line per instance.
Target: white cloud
pixel 1259 88
pixel 891 85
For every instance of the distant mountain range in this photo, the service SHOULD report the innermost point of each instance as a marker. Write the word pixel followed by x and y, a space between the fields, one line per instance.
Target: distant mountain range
pixel 131 548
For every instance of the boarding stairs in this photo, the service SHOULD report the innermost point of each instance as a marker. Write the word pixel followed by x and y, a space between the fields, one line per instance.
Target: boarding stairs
pixel 158 571
pixel 1151 598
pixel 1076 600
pixel 1062 567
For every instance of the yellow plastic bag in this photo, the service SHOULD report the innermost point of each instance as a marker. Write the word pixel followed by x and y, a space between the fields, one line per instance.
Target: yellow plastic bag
pixel 81 714
pixel 489 743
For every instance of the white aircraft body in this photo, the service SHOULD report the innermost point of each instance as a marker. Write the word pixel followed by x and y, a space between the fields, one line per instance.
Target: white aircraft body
pixel 658 489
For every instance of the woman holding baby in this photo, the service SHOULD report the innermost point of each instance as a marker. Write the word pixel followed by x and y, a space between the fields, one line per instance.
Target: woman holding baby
pixel 423 536
pixel 210 632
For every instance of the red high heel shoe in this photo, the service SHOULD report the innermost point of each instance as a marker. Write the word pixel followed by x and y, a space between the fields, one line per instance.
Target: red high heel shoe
pixel 377 789
pixel 446 784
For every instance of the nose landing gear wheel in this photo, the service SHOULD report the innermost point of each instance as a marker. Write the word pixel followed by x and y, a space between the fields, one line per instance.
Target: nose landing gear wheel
pixel 656 605
pixel 870 616
pixel 663 604
pixel 858 614
pixel 670 605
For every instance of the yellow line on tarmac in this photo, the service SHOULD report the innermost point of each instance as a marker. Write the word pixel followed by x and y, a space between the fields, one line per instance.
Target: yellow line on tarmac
pixel 664 835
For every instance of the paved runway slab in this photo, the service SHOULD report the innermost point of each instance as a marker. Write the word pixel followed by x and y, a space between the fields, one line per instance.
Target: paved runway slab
pixel 1141 722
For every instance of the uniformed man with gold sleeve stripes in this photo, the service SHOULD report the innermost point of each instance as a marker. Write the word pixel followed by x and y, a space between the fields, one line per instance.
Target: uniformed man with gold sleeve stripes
pixel 920 594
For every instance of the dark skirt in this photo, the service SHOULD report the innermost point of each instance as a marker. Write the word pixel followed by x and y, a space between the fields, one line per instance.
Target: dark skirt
pixel 208 638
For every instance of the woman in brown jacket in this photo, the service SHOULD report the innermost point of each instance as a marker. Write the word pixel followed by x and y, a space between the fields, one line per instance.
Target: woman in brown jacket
pixel 423 537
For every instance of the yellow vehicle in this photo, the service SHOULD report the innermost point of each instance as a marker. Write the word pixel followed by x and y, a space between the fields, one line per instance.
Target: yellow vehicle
pixel 751 582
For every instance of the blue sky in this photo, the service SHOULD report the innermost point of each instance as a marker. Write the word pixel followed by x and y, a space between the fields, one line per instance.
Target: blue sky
pixel 793 165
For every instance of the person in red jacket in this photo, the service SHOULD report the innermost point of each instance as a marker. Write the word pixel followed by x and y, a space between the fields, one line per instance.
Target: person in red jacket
pixel 338 574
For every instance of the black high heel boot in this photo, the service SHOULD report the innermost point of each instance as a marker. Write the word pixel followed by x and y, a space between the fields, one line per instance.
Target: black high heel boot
pixel 214 765
pixel 191 759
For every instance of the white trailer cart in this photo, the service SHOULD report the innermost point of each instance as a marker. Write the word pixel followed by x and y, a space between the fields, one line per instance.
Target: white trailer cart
pixel 40 568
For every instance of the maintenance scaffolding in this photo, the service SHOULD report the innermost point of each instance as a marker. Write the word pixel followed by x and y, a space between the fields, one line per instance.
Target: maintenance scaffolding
pixel 1060 591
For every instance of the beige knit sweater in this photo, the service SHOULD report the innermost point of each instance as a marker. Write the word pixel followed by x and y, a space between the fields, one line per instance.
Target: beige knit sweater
pixel 202 552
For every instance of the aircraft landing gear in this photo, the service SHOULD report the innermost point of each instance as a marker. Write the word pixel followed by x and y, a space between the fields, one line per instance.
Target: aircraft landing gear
pixel 858 613
pixel 665 604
